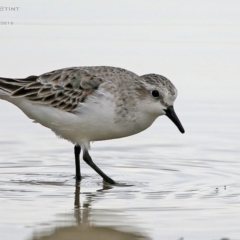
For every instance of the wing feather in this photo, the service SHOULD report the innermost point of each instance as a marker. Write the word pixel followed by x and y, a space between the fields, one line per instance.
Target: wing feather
pixel 62 89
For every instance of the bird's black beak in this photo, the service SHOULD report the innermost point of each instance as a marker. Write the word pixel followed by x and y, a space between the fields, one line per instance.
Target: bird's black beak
pixel 172 115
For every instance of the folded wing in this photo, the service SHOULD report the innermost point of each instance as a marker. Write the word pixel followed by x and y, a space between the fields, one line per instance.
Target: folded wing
pixel 62 89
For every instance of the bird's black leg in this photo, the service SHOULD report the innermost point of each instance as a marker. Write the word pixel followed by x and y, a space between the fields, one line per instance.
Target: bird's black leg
pixel 87 158
pixel 77 150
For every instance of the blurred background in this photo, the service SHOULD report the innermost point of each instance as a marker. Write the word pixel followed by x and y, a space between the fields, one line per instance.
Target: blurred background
pixel 180 186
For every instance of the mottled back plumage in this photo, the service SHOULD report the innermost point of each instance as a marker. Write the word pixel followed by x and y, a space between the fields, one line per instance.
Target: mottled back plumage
pixel 63 88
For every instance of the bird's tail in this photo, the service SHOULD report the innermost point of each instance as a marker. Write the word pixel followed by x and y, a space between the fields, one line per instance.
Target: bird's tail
pixel 7 86
pixel 10 85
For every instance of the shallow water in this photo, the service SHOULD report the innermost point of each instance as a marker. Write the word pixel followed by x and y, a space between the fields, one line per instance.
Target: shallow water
pixel 171 186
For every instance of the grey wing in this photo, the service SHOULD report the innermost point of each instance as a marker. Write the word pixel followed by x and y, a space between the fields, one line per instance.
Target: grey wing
pixel 62 89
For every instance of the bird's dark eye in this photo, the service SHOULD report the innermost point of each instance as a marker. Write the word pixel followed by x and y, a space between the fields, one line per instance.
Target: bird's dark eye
pixel 155 93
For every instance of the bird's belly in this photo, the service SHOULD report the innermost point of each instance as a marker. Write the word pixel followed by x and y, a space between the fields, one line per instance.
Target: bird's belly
pixel 103 125
pixel 92 122
pixel 105 131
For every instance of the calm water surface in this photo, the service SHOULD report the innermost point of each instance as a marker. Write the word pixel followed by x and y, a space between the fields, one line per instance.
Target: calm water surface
pixel 172 186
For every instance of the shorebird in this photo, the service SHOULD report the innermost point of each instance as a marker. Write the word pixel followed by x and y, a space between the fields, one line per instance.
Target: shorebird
pixel 84 104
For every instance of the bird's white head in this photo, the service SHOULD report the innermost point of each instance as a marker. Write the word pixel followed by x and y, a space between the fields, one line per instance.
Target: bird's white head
pixel 159 95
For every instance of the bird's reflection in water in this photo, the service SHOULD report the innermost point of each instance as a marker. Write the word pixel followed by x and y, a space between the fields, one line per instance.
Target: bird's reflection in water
pixel 90 224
